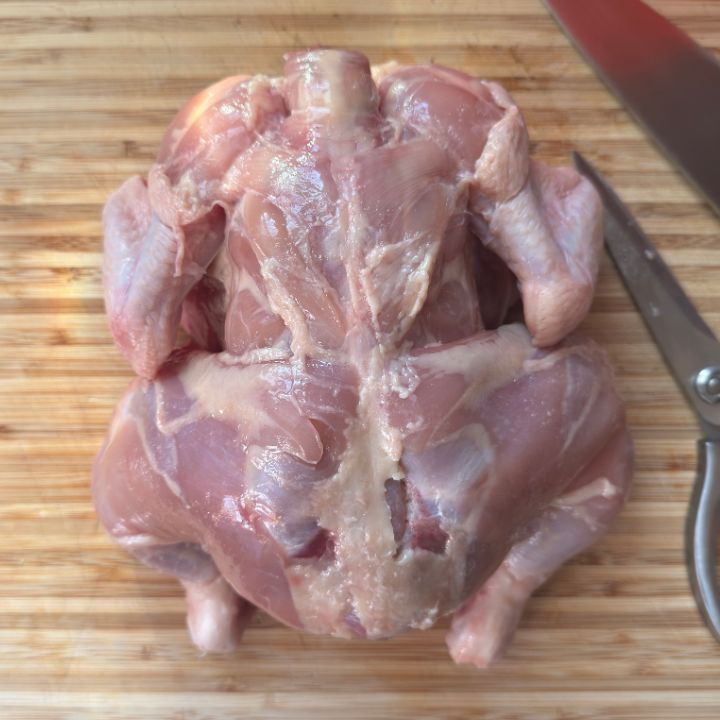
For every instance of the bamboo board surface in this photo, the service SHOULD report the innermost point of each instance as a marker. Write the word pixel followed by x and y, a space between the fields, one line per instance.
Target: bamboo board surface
pixel 85 631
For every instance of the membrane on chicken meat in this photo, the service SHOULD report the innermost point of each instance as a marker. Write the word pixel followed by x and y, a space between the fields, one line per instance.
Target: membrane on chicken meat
pixel 381 416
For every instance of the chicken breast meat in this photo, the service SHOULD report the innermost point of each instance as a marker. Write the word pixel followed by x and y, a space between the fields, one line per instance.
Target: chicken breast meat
pixel 381 416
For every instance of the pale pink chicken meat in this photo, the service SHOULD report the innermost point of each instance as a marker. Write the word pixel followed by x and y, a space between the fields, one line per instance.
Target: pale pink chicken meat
pixel 381 416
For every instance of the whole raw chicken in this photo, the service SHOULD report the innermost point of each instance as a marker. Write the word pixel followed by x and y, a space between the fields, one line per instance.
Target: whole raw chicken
pixel 379 417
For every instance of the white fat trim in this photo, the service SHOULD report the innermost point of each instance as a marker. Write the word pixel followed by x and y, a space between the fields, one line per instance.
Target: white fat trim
pixel 225 392
pixel 244 281
pixel 263 355
pixel 142 540
pixel 380 72
pixel 150 457
pixel 402 379
pixel 283 305
pixel 600 488
pixel 577 424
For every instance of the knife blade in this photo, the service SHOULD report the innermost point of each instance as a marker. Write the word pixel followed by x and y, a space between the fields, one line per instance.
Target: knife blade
pixel 668 83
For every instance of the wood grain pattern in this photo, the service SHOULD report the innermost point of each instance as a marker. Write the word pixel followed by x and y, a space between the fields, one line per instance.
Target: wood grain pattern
pixel 86 632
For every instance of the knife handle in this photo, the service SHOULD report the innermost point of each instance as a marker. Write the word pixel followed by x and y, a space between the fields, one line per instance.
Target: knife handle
pixel 701 534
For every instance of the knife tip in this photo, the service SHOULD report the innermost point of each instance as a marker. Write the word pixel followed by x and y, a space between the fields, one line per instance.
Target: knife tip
pixel 587 169
pixel 579 161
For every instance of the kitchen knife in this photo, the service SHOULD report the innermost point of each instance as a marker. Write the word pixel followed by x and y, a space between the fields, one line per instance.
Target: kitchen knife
pixel 669 83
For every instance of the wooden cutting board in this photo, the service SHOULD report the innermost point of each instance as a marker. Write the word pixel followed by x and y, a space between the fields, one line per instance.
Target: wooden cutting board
pixel 85 632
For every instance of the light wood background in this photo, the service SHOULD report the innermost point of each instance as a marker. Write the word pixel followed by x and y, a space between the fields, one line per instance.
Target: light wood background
pixel 86 89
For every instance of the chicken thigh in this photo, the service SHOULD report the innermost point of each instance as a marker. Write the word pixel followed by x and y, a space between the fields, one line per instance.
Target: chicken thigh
pixel 379 414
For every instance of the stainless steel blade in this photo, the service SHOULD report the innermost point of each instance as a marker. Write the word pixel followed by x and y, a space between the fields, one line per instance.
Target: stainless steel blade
pixel 669 83
pixel 686 342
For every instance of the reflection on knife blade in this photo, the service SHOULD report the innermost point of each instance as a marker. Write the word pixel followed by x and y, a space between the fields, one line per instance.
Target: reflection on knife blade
pixel 669 83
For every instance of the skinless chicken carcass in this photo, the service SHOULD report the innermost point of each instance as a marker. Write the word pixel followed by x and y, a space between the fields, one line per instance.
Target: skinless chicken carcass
pixel 378 415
